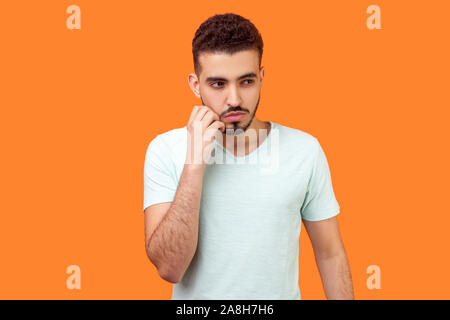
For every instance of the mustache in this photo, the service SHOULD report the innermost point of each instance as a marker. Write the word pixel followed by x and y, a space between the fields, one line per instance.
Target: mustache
pixel 231 109
pixel 234 109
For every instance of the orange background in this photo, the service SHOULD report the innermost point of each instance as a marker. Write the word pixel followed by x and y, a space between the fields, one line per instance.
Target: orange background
pixel 79 108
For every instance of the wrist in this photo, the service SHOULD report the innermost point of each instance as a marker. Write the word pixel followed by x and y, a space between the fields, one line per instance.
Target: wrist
pixel 194 166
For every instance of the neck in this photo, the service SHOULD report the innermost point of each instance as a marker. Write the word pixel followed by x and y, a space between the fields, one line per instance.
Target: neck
pixel 249 135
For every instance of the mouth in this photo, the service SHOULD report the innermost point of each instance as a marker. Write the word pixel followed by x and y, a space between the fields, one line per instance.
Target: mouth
pixel 234 116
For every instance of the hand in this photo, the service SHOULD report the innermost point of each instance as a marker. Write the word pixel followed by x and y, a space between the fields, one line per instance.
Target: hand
pixel 202 128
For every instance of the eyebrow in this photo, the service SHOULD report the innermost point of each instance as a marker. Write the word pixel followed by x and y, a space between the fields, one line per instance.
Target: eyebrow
pixel 247 75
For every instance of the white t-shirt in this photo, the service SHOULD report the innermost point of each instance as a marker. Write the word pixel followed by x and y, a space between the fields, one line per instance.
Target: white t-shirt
pixel 250 212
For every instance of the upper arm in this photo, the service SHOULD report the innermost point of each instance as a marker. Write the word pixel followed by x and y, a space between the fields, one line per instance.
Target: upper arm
pixel 160 177
pixel 153 216
pixel 325 237
pixel 320 201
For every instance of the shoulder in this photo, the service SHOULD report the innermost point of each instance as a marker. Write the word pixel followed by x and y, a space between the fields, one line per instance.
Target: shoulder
pixel 297 138
pixel 170 141
pixel 169 148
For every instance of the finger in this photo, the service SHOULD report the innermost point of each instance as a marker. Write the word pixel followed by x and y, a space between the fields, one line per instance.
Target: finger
pixel 193 113
pixel 209 109
pixel 208 118
pixel 201 112
pixel 213 131
pixel 218 125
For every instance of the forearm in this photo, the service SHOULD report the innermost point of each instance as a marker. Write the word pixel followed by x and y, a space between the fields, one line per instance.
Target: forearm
pixel 174 242
pixel 336 277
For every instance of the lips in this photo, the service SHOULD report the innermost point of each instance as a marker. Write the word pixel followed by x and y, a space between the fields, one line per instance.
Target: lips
pixel 234 116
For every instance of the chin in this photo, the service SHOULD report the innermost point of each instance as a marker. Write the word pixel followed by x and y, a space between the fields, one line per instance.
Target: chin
pixel 234 131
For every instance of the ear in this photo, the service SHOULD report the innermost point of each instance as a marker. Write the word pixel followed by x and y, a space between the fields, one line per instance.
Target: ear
pixel 194 84
pixel 261 75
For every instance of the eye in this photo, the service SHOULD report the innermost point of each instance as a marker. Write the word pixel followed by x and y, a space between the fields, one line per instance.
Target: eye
pixel 251 81
pixel 212 85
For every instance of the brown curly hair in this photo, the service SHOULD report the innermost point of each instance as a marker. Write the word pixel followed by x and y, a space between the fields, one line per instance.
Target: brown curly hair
pixel 226 33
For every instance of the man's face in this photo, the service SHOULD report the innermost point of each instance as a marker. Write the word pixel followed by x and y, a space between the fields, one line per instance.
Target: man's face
pixel 231 83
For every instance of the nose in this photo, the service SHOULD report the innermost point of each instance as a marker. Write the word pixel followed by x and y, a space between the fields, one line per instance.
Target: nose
pixel 233 98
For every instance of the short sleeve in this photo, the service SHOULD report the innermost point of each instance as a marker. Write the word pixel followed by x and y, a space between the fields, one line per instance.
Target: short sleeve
pixel 320 202
pixel 159 178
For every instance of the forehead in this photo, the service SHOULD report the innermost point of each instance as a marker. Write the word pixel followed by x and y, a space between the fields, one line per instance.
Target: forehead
pixel 228 65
